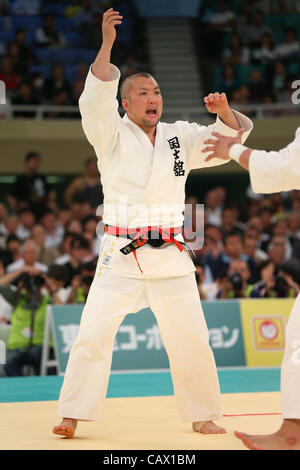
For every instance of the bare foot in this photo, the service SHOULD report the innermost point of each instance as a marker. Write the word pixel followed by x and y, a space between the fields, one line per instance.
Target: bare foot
pixel 286 438
pixel 208 427
pixel 66 428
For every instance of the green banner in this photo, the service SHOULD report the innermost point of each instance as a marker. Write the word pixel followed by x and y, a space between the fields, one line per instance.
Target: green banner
pixel 138 343
pixel 225 332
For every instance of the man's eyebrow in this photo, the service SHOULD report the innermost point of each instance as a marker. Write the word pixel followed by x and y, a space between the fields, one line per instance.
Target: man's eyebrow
pixel 155 88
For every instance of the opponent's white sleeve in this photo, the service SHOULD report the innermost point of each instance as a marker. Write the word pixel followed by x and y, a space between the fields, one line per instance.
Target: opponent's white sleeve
pixel 99 110
pixel 198 158
pixel 272 172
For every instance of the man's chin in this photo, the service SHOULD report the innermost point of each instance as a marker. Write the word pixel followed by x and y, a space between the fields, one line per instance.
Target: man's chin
pixel 151 122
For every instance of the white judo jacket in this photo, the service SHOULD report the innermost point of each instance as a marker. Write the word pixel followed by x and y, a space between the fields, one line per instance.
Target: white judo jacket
pixel 272 172
pixel 143 185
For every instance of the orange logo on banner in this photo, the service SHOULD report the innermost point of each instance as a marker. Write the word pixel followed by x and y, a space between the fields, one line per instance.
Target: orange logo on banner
pixel 268 333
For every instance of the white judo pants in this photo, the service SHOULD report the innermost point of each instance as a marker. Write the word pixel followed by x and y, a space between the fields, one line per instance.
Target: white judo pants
pixel 290 368
pixel 176 305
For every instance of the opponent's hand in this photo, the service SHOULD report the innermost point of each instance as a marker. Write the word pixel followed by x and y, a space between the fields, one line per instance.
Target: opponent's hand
pixel 221 144
pixel 216 103
pixel 110 19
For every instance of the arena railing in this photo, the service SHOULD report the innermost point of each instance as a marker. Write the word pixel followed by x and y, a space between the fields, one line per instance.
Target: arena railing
pixel 194 113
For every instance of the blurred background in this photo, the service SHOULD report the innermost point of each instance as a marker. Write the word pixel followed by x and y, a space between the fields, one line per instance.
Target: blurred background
pixel 50 188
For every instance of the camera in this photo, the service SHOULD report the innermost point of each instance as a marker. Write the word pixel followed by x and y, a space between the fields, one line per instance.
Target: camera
pixel 30 283
pixel 237 283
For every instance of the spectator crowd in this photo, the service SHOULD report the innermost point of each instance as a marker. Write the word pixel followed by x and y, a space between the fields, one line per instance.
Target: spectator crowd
pixel 47 47
pixel 255 49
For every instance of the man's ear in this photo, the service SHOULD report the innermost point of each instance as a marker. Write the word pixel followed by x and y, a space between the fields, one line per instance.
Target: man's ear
pixel 125 104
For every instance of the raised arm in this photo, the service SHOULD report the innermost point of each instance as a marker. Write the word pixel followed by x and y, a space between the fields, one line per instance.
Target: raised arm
pixel 98 103
pixel 101 66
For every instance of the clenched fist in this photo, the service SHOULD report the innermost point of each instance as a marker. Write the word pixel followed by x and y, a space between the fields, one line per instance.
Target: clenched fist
pixel 216 103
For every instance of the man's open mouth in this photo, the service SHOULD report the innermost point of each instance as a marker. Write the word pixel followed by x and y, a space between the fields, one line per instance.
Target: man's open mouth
pixel 151 112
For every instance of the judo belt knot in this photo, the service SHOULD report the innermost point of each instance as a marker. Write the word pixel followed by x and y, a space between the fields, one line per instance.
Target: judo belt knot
pixel 154 236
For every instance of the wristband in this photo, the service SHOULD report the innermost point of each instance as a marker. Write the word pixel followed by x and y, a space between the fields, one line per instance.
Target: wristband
pixel 236 151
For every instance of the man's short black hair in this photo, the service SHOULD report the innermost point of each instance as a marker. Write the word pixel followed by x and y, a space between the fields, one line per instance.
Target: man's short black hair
pixel 58 272
pixel 233 233
pixel 31 155
pixel 79 241
pixel 12 238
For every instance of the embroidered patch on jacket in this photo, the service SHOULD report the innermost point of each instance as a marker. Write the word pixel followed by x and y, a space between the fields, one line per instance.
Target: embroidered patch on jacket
pixel 178 164
pixel 106 260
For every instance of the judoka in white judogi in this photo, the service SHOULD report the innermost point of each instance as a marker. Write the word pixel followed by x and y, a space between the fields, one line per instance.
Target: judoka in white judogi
pixel 273 172
pixel 144 183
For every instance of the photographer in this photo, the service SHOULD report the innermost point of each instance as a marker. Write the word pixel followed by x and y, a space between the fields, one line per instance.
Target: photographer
pixel 27 320
pixel 234 284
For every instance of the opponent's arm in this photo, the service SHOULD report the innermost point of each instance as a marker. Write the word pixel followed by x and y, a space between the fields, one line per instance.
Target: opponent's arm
pixel 270 172
pixel 101 67
pixel 222 147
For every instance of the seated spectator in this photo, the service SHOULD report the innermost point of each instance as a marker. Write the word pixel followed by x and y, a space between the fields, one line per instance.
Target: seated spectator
pixel 230 220
pixel 8 74
pixel 207 290
pixel 294 226
pixel 25 97
pixel 241 96
pixel 253 32
pixel 54 232
pixel 289 49
pixel 24 51
pixel 26 223
pixel 229 81
pixel 3 216
pixel 48 255
pixel 13 247
pixel 25 341
pixel 276 250
pixel 287 280
pixel 265 287
pixel 265 53
pixel 74 225
pixel 88 185
pixel 85 16
pixel 80 251
pixel 279 77
pixel 233 250
pixel 223 19
pixel 54 285
pixel 239 278
pixel 4 8
pixel 258 87
pixel 56 82
pixel 19 62
pixel 29 257
pixel 92 36
pixel 80 289
pixel 26 7
pixel 236 53
pixel 30 186
pixel 213 209
pixel 48 35
pixel 250 247
pixel 61 98
pixel 78 84
pixel 11 225
pixel 280 229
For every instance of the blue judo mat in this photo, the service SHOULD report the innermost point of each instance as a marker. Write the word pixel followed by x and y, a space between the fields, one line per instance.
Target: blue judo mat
pixel 22 389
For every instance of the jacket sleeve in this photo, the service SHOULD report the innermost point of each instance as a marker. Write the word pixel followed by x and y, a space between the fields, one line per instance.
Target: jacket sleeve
pixel 98 106
pixel 272 172
pixel 197 158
